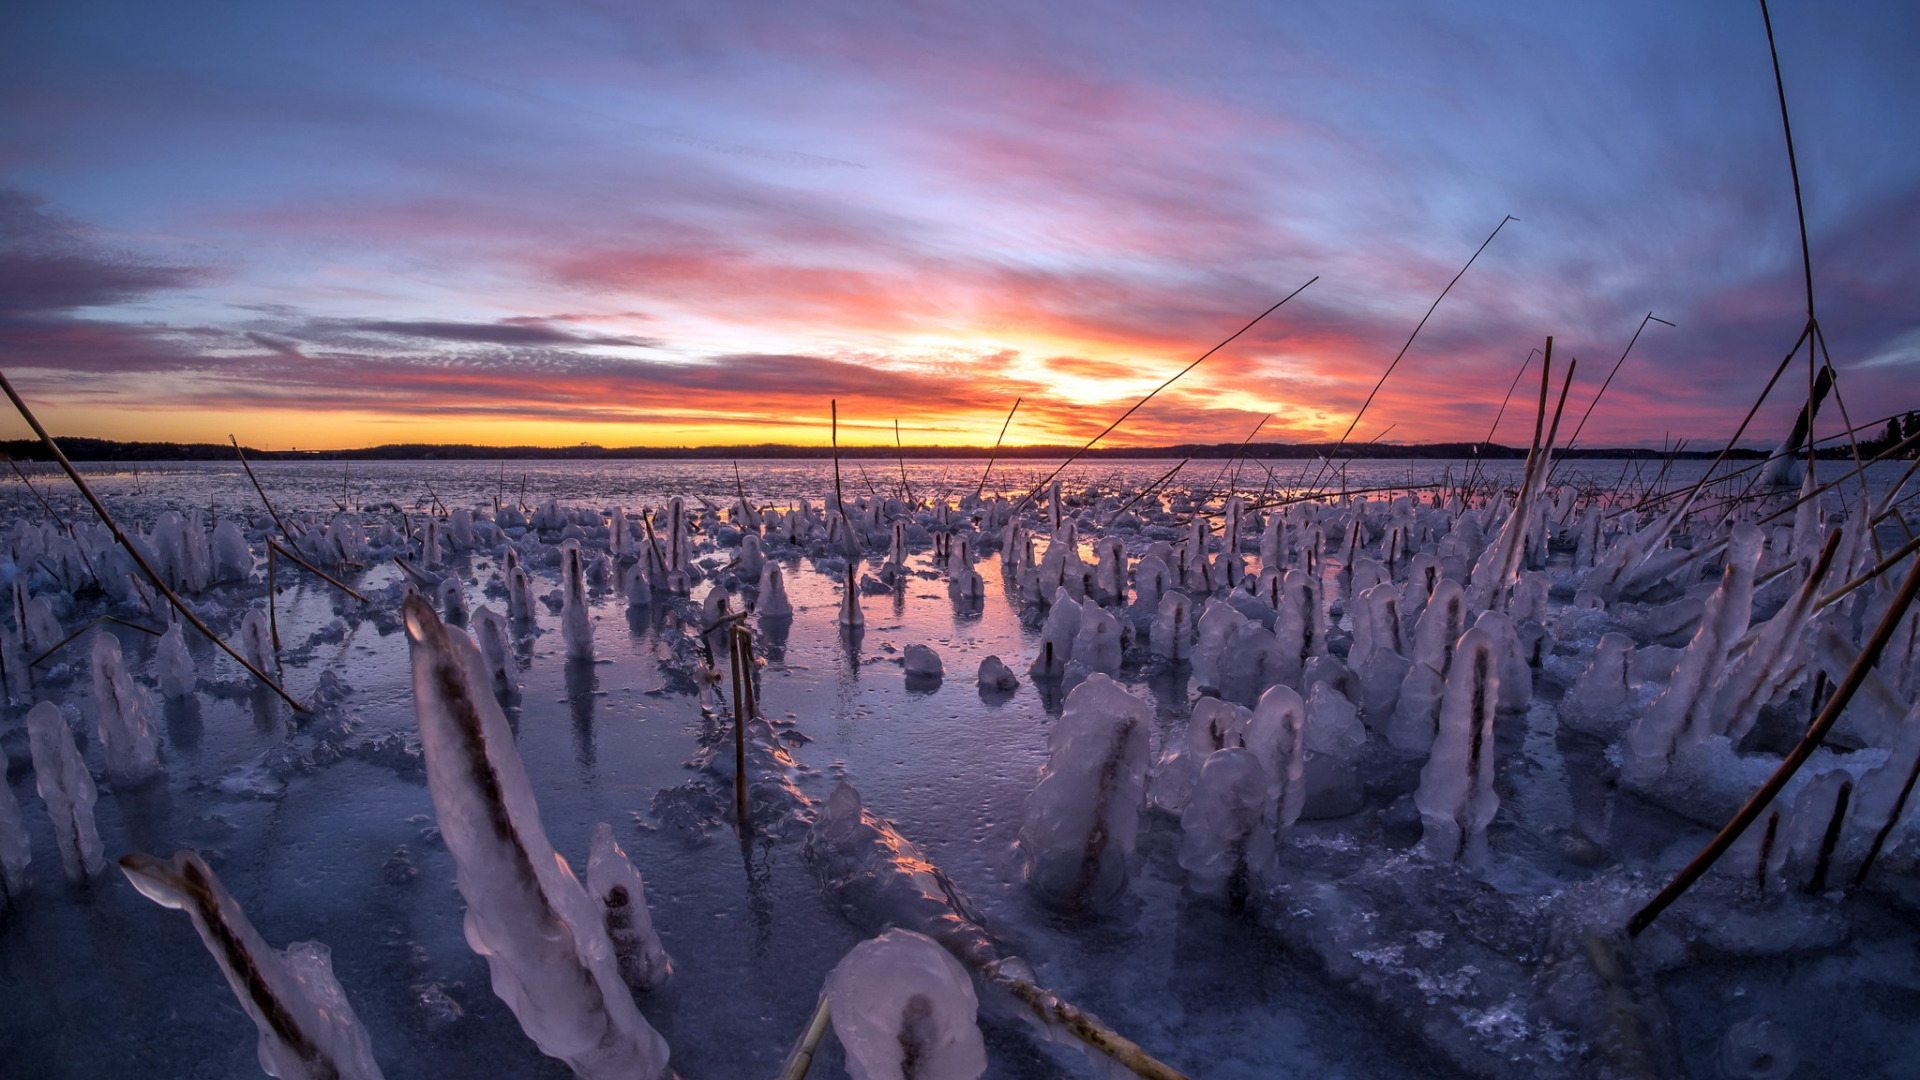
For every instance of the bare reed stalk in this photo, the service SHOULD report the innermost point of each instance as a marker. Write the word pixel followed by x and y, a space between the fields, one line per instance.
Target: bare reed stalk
pixel 138 559
pixel 1041 486
pixel 256 486
pixel 996 447
pixel 800 1058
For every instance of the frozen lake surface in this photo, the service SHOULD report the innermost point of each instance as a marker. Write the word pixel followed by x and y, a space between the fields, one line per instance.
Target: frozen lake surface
pixel 1359 959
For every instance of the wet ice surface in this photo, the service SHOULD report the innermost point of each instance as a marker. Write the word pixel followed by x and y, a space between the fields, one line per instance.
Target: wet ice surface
pixel 1366 962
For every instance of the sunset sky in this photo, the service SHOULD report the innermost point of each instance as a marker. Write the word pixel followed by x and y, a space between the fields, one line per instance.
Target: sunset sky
pixel 655 223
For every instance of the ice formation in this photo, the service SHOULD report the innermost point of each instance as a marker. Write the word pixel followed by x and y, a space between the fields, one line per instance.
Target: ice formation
pixel 904 1009
pixel 61 777
pixel 547 948
pixel 996 676
pixel 1456 798
pixel 923 664
pixel 1227 838
pixel 256 640
pixel 308 1030
pixel 174 664
pixel 1276 737
pixel 496 646
pixel 616 886
pixel 576 624
pixel 773 602
pixel 1084 815
pixel 123 714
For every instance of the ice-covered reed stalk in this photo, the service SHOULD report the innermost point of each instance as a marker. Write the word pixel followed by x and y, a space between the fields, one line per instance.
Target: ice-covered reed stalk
pixel 901 1006
pixel 545 944
pixel 1456 798
pixel 576 623
pixel 1226 843
pixel 308 1030
pixel 1084 816
pixel 1275 735
pixel 613 882
pixel 123 714
pixel 60 775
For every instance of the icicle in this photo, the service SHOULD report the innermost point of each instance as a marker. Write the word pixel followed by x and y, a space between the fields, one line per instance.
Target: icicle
pixel 308 1030
pixel 123 714
pixel 545 945
pixel 1084 816
pixel 61 777
pixel 1456 798
pixel 616 886
pixel 904 1009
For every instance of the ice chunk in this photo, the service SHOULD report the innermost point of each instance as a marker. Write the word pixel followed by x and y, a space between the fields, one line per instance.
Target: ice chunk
pixel 123 714
pixel 174 663
pixel 904 1009
pixel 1456 798
pixel 1213 724
pixel 1056 637
pixel 1226 840
pixel 576 625
pixel 1084 816
pixel 546 946
pixel 923 664
pixel 452 597
pixel 1598 701
pixel 616 886
pixel 1300 623
pixel 1151 580
pixel 308 1030
pixel 995 675
pixel 1516 676
pixel 61 777
pixel 1218 621
pixel 1333 724
pixel 232 558
pixel 635 586
pixel 1252 661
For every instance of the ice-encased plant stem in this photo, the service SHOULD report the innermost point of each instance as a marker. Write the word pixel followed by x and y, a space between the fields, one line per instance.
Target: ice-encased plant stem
pixel 1084 816
pixel 903 1008
pixel 123 712
pixel 547 948
pixel 175 664
pixel 1226 843
pixel 622 895
pixel 576 625
pixel 61 777
pixel 1456 798
pixel 308 1030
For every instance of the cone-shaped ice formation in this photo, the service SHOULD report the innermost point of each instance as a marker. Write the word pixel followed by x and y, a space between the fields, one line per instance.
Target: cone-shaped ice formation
pixel 1218 620
pixel 1151 580
pixel 616 886
pixel 452 598
pixel 16 846
pixel 545 944
pixel 1300 625
pixel 1172 630
pixel 904 1009
pixel 123 714
pixel 496 646
pixel 1084 816
pixel 307 1028
pixel 1682 715
pixel 1226 841
pixel 174 663
pixel 256 640
pixel 42 630
pixel 519 590
pixel 576 625
pixel 1276 736
pixel 1455 797
pixel 773 602
pixel 61 777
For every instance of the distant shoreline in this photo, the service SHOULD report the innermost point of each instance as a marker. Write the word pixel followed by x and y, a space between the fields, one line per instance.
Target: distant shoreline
pixel 104 450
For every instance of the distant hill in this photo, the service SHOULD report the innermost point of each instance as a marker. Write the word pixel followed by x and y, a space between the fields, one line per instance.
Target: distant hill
pixel 86 449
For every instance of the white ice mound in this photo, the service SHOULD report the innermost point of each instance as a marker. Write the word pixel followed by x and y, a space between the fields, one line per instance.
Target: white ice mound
pixel 175 664
pixel 616 886
pixel 545 944
pixel 308 1031
pixel 1083 818
pixel 576 625
pixel 904 1009
pixel 60 775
